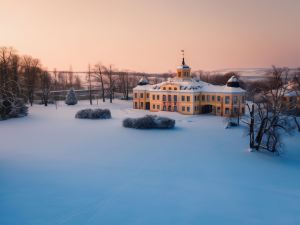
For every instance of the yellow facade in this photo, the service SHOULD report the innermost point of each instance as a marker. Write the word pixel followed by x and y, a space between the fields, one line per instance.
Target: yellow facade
pixel 184 95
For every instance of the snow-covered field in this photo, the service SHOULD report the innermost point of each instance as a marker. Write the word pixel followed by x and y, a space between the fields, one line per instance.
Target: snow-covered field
pixel 58 170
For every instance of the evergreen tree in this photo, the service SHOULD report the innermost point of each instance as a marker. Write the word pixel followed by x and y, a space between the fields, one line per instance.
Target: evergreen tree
pixel 71 98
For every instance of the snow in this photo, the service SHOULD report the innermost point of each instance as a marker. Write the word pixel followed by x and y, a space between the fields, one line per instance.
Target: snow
pixel 55 169
pixel 190 86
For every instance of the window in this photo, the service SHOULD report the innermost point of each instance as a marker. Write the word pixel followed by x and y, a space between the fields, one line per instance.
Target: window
pixel 243 110
pixel 169 108
pixel 153 97
pixel 235 110
pixel 198 97
pixel 170 88
pixel 135 95
pixel 175 98
pixel 227 99
pixel 219 98
pixel 188 108
pixel 213 98
pixel 235 99
pixel 182 98
pixel 164 108
pixel 175 89
pixel 141 95
pixel 188 98
pixel 218 109
pixel 169 98
pixel 147 95
pixel 179 74
pixel 175 108
pixel 227 111
pixel 195 98
pixel 135 105
pixel 164 98
pixel 164 88
pixel 158 106
pixel 153 106
pixel 203 97
pixel 195 108
pixel 142 105
pixel 183 109
pixel 208 98
pixel 157 97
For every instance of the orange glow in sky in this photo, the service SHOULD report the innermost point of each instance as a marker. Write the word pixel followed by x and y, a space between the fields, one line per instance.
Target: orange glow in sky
pixel 147 36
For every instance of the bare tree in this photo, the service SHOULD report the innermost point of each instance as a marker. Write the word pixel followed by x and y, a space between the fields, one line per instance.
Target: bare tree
pixel 90 85
pixel 77 82
pixel 11 105
pixel 45 80
pixel 31 70
pixel 70 78
pixel 99 77
pixel 124 84
pixel 271 117
pixel 111 82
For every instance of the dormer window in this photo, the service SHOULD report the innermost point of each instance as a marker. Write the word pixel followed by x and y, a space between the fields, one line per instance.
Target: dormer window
pixel 179 74
pixel 164 88
pixel 170 88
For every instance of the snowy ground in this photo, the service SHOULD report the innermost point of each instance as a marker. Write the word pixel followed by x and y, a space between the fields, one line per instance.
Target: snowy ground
pixel 58 170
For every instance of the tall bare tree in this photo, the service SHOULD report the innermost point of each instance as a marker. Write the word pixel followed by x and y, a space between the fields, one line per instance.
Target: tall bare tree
pixel 99 78
pixel 31 70
pixel 46 82
pixel 270 117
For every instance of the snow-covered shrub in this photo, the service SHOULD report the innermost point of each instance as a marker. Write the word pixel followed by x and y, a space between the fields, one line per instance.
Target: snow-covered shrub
pixel 93 114
pixel 71 98
pixel 12 108
pixel 149 122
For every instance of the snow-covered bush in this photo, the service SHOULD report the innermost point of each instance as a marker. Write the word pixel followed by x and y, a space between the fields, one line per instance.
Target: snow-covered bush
pixel 149 122
pixel 93 114
pixel 12 108
pixel 71 98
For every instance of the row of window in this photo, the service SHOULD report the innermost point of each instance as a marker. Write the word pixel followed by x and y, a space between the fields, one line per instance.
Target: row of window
pixel 206 98
pixel 187 108
pixel 170 89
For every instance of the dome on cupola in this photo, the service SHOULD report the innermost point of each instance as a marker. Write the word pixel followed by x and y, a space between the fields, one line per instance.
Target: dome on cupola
pixel 183 71
pixel 233 82
pixel 143 81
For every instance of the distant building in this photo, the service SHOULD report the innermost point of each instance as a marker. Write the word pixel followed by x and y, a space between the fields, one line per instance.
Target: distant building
pixel 186 95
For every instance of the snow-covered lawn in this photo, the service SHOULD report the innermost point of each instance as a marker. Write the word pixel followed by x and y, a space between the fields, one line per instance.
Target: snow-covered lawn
pixel 57 170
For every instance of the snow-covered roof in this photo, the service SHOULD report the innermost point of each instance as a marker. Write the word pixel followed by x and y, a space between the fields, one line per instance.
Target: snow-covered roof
pixel 190 86
pixel 233 79
pixel 222 89
pixel 146 87
pixel 233 82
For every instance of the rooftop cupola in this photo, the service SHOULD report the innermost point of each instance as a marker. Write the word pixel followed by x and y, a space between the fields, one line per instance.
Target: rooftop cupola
pixel 233 82
pixel 143 81
pixel 183 71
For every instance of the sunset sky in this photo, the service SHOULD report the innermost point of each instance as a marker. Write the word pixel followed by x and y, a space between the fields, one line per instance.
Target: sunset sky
pixel 147 35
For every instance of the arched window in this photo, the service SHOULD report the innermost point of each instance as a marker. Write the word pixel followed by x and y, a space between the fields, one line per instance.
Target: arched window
pixel 169 108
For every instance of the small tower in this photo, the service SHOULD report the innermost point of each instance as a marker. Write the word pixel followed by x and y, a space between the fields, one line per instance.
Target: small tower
pixel 183 71
pixel 233 82
pixel 143 81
